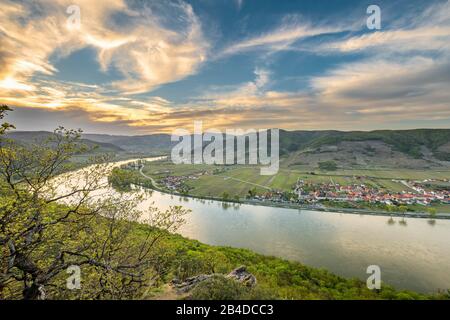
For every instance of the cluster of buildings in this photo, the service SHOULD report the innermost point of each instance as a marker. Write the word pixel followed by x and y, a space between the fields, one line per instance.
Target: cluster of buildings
pixel 309 192
pixel 275 196
pixel 177 183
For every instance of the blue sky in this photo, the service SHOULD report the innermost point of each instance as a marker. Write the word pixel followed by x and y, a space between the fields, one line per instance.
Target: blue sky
pixel 135 66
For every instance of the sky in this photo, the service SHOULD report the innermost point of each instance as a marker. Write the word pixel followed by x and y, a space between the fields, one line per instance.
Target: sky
pixel 140 67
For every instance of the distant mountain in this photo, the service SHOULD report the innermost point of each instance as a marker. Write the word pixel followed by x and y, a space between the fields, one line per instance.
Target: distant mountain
pixel 29 137
pixel 154 143
pixel 407 141
pixel 419 148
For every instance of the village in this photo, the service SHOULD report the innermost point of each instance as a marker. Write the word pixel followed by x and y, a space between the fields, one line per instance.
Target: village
pixel 309 192
pixel 415 192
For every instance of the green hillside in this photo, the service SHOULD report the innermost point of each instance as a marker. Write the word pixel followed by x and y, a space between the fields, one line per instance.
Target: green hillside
pixel 406 141
pixel 39 137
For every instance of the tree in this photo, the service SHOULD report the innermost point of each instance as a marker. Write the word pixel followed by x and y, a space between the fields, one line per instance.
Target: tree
pixel 432 212
pixel 327 165
pixel 51 219
pixel 251 193
pixel 403 209
pixel 5 126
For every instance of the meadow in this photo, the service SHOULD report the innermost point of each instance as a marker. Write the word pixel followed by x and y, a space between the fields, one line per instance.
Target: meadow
pixel 237 180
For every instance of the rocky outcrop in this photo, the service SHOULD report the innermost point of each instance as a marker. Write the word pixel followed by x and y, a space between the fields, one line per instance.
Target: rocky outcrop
pixel 190 283
pixel 243 276
pixel 240 275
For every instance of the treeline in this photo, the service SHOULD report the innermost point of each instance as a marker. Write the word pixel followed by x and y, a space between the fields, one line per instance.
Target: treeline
pixel 123 179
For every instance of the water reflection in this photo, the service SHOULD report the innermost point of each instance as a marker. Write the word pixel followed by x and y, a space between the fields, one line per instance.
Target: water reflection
pixel 412 254
pixel 227 205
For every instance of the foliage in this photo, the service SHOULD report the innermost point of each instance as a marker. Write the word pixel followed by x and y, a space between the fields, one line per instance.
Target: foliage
pixel 277 278
pixel 327 165
pixel 50 221
pixel 4 126
pixel 432 211
pixel 122 179
pixel 251 193
pixel 219 288
pixel 406 141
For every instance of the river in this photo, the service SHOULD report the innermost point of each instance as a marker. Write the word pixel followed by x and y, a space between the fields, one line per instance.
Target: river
pixel 412 253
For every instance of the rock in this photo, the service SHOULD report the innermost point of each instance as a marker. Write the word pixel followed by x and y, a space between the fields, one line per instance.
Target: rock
pixel 190 282
pixel 240 275
pixel 243 276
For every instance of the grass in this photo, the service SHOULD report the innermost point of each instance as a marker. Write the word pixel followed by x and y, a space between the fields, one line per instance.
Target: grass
pixel 442 207
pixel 238 180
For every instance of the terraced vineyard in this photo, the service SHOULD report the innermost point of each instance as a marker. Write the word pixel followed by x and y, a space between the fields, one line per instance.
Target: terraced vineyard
pixel 207 180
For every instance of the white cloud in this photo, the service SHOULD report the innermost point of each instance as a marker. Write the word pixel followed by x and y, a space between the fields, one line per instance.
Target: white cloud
pixel 402 76
pixel 422 38
pixel 425 31
pixel 279 39
pixel 149 51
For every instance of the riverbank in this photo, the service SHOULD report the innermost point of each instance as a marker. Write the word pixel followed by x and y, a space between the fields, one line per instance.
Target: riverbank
pixel 421 215
pixel 277 278
pixel 342 243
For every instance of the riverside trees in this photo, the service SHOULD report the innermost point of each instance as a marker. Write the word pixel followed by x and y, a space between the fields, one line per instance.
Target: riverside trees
pixel 51 221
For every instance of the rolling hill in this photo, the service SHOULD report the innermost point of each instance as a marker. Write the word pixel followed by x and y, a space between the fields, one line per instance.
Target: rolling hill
pixel 145 144
pixel 30 137
pixel 415 149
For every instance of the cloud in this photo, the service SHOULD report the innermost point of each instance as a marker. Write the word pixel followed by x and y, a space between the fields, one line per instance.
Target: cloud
pixel 279 39
pixel 425 31
pixel 423 38
pixel 403 76
pixel 239 4
pixel 262 79
pixel 158 44
pixel 413 88
pixel 400 78
pixel 158 55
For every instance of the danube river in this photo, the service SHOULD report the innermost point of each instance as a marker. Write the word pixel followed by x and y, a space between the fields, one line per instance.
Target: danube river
pixel 412 253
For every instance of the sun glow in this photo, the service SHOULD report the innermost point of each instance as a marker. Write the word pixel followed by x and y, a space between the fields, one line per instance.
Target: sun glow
pixel 13 84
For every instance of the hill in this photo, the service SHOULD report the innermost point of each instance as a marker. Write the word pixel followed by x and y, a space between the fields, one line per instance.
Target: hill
pixel 148 144
pixel 30 137
pixel 413 149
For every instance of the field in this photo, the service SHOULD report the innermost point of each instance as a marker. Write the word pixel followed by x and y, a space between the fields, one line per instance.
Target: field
pixel 238 180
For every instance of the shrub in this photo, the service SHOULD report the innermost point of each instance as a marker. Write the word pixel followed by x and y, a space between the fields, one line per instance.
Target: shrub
pixel 219 287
